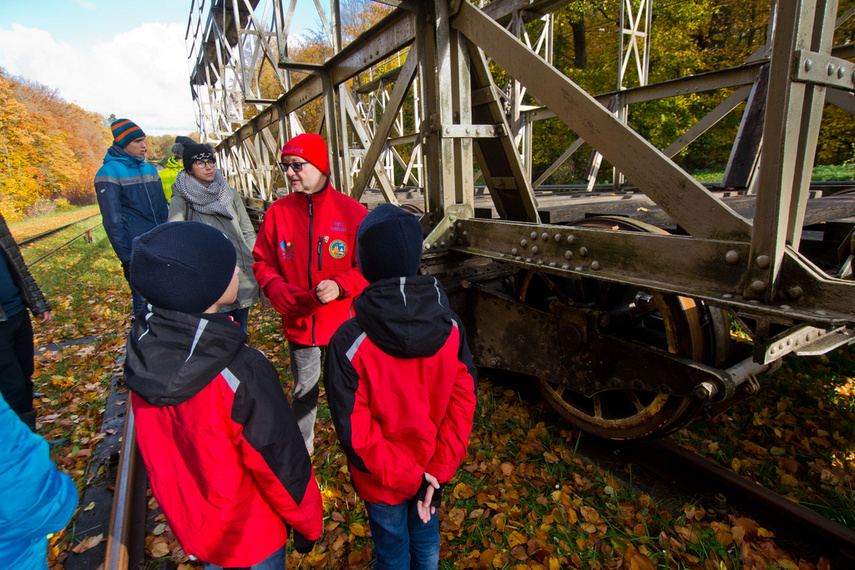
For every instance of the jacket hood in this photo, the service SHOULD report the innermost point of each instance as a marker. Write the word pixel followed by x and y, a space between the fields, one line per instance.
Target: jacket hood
pixel 173 164
pixel 406 317
pixel 117 154
pixel 171 356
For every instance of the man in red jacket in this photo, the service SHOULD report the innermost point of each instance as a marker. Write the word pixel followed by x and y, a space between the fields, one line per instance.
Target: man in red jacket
pixel 305 262
pixel 401 389
pixel 223 452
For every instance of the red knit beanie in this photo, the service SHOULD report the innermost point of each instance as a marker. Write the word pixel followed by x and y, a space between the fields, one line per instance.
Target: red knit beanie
pixel 311 147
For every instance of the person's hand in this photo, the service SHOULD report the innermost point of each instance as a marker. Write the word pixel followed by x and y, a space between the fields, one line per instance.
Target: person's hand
pixel 424 507
pixel 327 290
pixel 44 318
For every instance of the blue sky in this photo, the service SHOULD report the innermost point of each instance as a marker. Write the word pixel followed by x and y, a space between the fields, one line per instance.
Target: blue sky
pixel 111 56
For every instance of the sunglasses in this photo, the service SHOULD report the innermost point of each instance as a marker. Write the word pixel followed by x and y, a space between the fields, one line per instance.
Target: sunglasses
pixel 295 166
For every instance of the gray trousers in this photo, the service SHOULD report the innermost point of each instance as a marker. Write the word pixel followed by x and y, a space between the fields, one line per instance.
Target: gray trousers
pixel 306 370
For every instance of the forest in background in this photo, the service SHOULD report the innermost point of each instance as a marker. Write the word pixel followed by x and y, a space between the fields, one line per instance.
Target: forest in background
pixel 49 149
pixel 688 37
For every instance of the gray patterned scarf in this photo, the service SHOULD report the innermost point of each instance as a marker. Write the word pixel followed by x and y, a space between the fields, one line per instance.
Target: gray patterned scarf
pixel 215 199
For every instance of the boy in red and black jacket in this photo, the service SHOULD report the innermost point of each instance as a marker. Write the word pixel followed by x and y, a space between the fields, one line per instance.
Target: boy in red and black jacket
pixel 222 449
pixel 401 387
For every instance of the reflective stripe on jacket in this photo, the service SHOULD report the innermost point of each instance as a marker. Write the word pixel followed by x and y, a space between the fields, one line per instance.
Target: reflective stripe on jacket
pixel 131 199
pixel 225 458
pixel 401 388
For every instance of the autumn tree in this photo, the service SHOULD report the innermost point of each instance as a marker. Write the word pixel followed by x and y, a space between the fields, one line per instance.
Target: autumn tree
pixel 687 37
pixel 49 149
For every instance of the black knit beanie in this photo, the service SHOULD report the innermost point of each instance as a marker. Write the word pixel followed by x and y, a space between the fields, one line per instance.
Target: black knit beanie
pixel 182 266
pixel 193 152
pixel 180 143
pixel 389 243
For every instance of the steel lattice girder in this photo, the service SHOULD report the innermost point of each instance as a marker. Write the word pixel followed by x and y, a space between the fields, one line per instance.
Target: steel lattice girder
pixel 744 260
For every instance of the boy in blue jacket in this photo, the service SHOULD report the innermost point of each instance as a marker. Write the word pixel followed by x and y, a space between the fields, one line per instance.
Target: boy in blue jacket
pixel 130 195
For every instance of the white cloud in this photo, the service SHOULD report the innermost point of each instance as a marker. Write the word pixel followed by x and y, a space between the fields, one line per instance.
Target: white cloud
pixel 141 74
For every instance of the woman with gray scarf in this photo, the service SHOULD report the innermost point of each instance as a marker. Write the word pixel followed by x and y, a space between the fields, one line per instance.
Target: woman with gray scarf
pixel 201 193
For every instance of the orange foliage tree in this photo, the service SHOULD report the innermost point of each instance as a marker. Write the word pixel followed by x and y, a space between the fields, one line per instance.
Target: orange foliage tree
pixel 49 149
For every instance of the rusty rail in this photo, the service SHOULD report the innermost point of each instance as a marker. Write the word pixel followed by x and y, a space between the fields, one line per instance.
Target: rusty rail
pixel 87 233
pixel 695 474
pixel 125 542
pixel 43 235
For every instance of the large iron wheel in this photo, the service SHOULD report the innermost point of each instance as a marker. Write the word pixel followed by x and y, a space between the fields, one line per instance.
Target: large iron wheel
pixel 668 322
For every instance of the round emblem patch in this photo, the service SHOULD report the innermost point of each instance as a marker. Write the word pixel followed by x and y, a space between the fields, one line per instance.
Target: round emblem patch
pixel 338 249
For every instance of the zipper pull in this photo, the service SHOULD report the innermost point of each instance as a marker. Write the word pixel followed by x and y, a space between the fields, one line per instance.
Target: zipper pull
pixel 320 242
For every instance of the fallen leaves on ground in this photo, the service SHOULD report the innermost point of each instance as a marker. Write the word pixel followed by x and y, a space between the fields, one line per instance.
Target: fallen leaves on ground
pixel 521 498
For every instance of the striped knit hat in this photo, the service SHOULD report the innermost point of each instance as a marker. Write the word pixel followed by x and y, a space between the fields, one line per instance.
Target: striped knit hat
pixel 125 131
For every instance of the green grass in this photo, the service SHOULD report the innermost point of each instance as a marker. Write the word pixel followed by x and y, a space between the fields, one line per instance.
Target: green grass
pixel 827 173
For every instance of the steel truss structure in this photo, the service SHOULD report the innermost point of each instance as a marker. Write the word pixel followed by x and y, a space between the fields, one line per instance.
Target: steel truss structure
pixel 618 306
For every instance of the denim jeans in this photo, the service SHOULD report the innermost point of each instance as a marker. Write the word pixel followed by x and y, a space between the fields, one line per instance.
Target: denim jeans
pixel 401 539
pixel 275 561
pixel 306 370
pixel 137 302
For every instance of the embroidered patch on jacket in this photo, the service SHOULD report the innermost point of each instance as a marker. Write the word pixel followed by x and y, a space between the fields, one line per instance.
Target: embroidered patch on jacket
pixel 338 249
pixel 286 248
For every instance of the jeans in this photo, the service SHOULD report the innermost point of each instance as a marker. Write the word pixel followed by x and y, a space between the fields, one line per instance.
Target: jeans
pixel 241 317
pixel 401 539
pixel 306 370
pixel 137 300
pixel 16 362
pixel 275 561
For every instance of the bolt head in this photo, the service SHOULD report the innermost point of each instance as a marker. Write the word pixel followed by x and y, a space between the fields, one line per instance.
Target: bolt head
pixel 732 257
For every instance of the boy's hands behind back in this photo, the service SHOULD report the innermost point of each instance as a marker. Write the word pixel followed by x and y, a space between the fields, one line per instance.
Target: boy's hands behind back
pixel 429 497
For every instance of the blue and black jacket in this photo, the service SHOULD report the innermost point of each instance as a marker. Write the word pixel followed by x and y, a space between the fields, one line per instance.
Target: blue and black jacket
pixel 130 195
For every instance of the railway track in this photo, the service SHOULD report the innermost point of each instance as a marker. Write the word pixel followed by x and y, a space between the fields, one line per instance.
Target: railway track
pixel 48 233
pixel 801 529
pixel 86 234
pixel 699 476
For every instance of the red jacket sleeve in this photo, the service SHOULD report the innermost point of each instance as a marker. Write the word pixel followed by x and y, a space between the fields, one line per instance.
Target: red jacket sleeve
pixel 305 516
pixel 453 436
pixel 285 297
pixel 273 449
